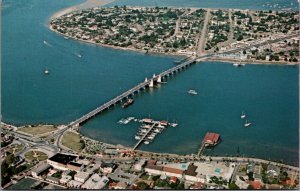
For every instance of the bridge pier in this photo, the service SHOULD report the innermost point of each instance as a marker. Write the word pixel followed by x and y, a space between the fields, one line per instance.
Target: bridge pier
pixel 159 80
pixel 151 85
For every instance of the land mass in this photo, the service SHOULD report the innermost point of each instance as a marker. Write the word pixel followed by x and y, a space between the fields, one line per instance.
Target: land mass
pixel 188 31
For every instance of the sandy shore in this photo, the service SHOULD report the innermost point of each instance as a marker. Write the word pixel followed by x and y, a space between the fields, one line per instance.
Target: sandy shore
pixel 87 4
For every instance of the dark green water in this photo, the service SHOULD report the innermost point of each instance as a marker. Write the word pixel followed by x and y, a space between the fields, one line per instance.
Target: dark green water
pixel 268 94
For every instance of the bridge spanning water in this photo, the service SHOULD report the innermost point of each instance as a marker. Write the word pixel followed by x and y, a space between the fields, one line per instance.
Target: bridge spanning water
pixel 147 83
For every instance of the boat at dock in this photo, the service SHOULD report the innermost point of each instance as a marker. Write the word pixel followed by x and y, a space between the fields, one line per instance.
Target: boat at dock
pixel 193 92
pixel 128 103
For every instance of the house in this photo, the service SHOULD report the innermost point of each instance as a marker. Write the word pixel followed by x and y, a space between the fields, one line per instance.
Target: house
pixel 95 182
pixel 52 179
pixel 74 184
pixel 81 176
pixel 173 179
pixel 273 170
pixel 39 169
pixel 65 179
pixel 119 185
pixel 107 167
pixel 197 186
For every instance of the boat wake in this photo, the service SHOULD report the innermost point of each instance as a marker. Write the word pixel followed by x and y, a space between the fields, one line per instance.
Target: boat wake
pixel 48 44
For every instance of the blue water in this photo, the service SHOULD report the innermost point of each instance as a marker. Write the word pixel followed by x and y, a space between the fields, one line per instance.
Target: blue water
pixel 268 94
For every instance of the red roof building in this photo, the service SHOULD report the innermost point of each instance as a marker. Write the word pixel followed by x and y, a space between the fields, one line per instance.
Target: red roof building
pixel 173 179
pixel 211 138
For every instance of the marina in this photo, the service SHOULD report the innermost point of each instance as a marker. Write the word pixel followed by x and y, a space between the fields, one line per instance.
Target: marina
pixel 149 129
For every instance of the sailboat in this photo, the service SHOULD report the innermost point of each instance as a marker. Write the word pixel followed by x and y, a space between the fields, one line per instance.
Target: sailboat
pixel 243 115
pixel 247 124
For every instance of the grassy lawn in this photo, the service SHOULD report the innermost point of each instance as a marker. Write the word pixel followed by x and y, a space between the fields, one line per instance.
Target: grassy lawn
pixel 36 156
pixel 72 141
pixel 15 148
pixel 41 129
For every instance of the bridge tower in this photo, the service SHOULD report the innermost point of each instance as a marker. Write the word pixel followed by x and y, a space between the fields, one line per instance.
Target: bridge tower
pixel 151 85
pixel 159 79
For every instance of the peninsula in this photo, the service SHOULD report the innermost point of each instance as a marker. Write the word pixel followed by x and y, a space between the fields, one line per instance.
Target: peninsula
pixel 188 31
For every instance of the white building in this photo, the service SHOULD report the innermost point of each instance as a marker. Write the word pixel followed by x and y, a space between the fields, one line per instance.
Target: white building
pixel 139 165
pixel 81 176
pixel 95 182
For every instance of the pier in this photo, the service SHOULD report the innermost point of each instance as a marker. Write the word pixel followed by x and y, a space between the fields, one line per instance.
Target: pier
pixel 142 139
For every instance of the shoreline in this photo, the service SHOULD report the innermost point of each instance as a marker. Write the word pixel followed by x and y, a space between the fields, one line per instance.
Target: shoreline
pixel 94 3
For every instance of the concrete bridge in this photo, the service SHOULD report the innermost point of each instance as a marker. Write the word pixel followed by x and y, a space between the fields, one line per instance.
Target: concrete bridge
pixel 131 92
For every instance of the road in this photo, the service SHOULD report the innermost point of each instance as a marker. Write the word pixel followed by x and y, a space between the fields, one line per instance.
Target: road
pixel 202 40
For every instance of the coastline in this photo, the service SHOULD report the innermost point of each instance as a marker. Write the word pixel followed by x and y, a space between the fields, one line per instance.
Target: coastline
pixel 85 5
pixel 93 3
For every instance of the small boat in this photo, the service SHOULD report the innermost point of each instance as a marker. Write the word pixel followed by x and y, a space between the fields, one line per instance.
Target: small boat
pixel 193 92
pixel 243 115
pixel 127 103
pixel 173 124
pixel 247 124
pixel 46 71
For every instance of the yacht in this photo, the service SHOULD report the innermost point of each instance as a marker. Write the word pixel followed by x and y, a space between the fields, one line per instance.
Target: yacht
pixel 243 115
pixel 193 92
pixel 247 124
pixel 46 71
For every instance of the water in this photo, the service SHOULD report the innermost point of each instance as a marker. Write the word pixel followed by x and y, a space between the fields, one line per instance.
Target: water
pixel 268 94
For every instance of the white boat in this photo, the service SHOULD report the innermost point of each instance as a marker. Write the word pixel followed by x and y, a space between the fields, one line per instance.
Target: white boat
pixel 173 124
pixel 193 92
pixel 247 124
pixel 243 115
pixel 46 71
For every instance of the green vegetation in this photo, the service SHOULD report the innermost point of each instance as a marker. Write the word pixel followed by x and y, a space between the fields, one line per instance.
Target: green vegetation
pixel 36 156
pixel 73 141
pixel 36 130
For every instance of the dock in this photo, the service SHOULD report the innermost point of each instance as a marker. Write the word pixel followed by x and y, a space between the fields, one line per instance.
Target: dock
pixel 210 139
pixel 142 139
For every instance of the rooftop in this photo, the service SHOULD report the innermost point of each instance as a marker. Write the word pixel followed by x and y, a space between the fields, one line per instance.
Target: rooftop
pixel 63 158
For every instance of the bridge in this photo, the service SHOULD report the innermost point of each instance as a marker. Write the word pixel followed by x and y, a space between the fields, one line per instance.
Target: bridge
pixel 144 136
pixel 158 79
pixel 131 92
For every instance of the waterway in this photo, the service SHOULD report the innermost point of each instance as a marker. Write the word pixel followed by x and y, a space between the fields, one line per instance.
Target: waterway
pixel 76 85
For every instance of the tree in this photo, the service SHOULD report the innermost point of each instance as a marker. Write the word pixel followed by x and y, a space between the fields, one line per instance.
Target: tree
pixel 233 186
pixel 250 187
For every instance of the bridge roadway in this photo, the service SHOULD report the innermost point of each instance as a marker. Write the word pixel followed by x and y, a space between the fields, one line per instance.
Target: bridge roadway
pixel 142 139
pixel 130 92
pixel 124 95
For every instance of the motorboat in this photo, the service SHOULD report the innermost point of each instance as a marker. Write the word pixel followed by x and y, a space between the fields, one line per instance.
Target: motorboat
pixel 193 92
